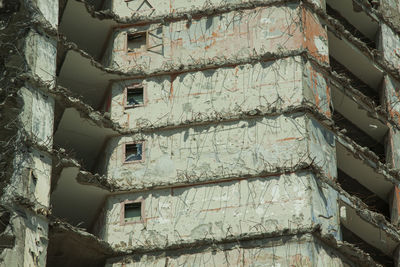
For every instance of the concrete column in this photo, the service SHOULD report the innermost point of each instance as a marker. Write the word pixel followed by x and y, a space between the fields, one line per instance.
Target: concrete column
pixel 394 202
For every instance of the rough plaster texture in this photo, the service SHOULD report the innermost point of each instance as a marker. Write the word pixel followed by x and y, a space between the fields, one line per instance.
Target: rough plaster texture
pixel 31 179
pixel 215 150
pixel 237 207
pixel 38 115
pixel 390 45
pixel 268 85
pixel 41 52
pixel 49 10
pixel 36 241
pixel 163 7
pixel 31 241
pixel 275 252
pixel 222 150
pixel 392 97
pixel 229 35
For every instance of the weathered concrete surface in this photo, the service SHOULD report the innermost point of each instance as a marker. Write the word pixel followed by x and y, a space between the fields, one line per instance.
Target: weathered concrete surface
pixel 390 45
pixel 302 250
pixel 49 10
pixel 315 35
pixel 128 9
pixel 231 208
pixel 41 51
pixel 38 115
pixel 229 35
pixel 223 92
pixel 268 85
pixel 215 150
pixel 392 97
pixel 27 63
pixel 30 247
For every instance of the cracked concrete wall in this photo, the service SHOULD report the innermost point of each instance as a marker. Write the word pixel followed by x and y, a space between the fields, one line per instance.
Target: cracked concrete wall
pixel 49 10
pixel 266 85
pixel 322 147
pixel 228 35
pixel 192 213
pixel 38 115
pixel 315 36
pixel 36 241
pixel 31 178
pixel 392 104
pixel 163 7
pixel 41 52
pixel 230 148
pixel 392 97
pixel 316 88
pixel 30 247
pixel 390 45
pixel 325 208
pixel 280 251
pixel 32 58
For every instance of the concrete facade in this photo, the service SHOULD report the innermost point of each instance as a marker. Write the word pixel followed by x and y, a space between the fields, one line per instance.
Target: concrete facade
pixel 194 133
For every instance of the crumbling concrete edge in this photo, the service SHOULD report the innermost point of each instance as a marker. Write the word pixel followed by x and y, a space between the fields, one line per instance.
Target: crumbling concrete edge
pixel 224 8
pixel 65 96
pixel 184 14
pixel 339 30
pixel 206 244
pixel 373 111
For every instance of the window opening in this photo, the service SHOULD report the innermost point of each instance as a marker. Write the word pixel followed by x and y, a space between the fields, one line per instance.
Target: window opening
pixel 133 211
pixel 133 152
pixel 136 41
pixel 134 96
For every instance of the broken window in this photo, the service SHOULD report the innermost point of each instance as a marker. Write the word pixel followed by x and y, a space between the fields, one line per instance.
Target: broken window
pixel 136 42
pixel 134 96
pixel 133 211
pixel 133 152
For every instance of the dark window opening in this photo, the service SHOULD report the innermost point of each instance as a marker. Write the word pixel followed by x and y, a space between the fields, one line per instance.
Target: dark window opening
pixel 375 254
pixel 34 179
pixel 355 82
pixel 133 211
pixel 349 27
pixel 134 96
pixel 359 136
pixel 133 152
pixel 136 41
pixel 354 188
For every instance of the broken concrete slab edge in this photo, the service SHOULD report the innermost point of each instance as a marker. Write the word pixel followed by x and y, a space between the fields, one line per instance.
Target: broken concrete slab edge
pixel 223 8
pixel 68 100
pixel 206 244
pixel 268 57
pixel 372 54
pixel 185 14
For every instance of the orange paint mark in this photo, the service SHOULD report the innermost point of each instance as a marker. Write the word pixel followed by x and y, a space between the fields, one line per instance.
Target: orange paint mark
pixel 328 100
pixel 171 91
pixel 287 139
pixel 313 29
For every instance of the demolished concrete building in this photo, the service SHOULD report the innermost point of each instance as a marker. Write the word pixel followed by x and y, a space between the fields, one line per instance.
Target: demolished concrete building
pixel 200 132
